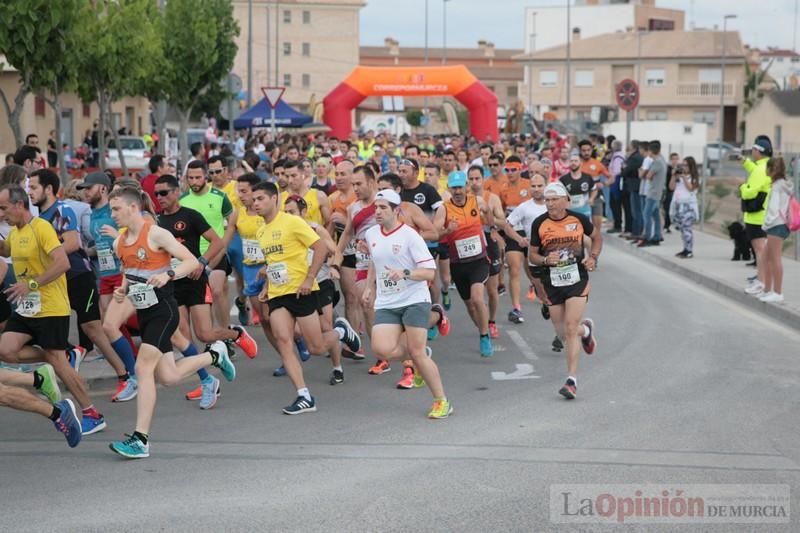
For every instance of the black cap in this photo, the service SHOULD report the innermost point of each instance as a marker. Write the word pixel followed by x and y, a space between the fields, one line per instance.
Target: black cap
pixel 95 178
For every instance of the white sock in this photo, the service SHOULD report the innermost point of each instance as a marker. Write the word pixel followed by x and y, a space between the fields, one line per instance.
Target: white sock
pixel 339 368
pixel 586 331
pixel 575 381
pixel 304 393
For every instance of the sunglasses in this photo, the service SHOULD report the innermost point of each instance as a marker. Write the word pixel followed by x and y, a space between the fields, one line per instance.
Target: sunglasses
pixel 510 170
pixel 215 172
pixel 494 164
pixel 164 192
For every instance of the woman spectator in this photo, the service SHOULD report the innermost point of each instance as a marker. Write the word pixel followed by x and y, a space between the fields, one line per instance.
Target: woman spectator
pixel 777 230
pixel 684 184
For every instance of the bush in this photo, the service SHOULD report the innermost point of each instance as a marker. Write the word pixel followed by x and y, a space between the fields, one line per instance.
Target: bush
pixel 414 117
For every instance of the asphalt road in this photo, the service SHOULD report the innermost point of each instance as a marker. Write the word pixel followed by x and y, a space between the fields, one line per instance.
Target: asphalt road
pixel 684 388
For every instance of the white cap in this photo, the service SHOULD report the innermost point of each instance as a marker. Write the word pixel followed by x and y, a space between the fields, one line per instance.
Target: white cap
pixel 555 190
pixel 390 196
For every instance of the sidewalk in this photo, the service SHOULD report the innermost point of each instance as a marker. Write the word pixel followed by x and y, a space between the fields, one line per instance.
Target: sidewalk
pixel 711 267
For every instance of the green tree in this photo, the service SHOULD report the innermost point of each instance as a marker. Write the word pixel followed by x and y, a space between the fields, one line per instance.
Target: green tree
pixel 199 42
pixel 120 47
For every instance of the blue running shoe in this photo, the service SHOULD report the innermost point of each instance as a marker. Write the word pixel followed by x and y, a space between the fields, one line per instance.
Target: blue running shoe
pixel 224 362
pixel 301 405
pixel 67 423
pixel 446 302
pixel 131 448
pixel 128 392
pixel 75 356
pixel 302 349
pixel 279 372
pixel 350 337
pixel 486 346
pixel 432 333
pixel 210 393
pixel 241 306
pixel 91 425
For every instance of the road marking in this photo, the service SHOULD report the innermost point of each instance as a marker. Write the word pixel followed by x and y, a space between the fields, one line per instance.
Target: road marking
pixel 526 350
pixel 523 371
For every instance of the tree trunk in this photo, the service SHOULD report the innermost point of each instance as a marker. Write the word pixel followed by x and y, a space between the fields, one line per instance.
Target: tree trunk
pixel 182 136
pixel 115 134
pixel 15 115
pixel 101 130
pixel 160 118
pixel 55 104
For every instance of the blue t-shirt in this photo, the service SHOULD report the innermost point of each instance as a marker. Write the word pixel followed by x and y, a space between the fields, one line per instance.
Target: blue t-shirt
pixel 108 263
pixel 63 219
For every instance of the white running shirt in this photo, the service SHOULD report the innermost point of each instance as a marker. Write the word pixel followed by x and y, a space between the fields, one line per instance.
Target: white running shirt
pixel 522 217
pixel 401 249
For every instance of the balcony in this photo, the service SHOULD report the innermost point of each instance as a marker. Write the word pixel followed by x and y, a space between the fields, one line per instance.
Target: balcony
pixel 704 90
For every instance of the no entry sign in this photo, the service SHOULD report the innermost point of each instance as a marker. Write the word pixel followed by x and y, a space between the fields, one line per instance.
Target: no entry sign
pixel 627 94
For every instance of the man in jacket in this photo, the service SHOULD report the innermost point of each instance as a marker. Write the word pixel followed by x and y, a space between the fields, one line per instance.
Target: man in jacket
pixel 634 222
pixel 755 195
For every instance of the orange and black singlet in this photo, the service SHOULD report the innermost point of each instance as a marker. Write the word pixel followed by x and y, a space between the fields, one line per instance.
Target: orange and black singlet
pixel 564 236
pixel 467 243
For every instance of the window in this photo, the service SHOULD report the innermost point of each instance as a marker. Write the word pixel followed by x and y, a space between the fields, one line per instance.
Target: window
pixel 548 78
pixel 306 49
pixel 584 78
pixel 38 106
pixel 87 110
pixel 656 115
pixel 705 117
pixel 287 80
pixel 654 77
pixel 287 49
pixel 306 17
pixel 710 75
pixel 287 16
pixel 780 60
pixel 511 91
pixel 796 60
pixel 306 80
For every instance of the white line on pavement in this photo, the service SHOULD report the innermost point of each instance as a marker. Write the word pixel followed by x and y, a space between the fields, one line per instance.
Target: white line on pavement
pixel 526 350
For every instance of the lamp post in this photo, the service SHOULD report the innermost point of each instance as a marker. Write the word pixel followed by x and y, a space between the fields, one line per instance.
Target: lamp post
pixel 425 99
pixel 249 52
pixel 444 31
pixel 722 88
pixel 569 63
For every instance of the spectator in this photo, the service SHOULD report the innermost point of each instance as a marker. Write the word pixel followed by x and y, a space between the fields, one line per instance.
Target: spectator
pixel 52 150
pixel 684 183
pixel 630 192
pixel 754 193
pixel 9 159
pixel 616 161
pixel 656 178
pixel 674 160
pixel 777 229
pixel 158 167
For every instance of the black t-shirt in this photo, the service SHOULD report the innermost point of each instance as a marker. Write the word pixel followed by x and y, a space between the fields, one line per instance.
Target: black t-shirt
pixel 424 196
pixel 187 225
pixel 564 236
pixel 578 189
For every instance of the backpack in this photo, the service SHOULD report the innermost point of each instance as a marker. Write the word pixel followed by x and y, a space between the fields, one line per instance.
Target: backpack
pixel 793 214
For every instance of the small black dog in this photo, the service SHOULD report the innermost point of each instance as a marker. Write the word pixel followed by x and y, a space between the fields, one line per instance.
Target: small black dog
pixel 742 249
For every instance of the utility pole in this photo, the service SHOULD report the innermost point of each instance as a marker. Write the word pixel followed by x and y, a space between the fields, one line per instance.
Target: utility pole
pixel 269 69
pixel 444 31
pixel 161 108
pixel 249 52
pixel 569 63
pixel 277 44
pixel 722 88
pixel 425 99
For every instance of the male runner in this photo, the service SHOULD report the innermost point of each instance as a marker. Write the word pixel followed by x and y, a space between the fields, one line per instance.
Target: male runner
pixel 460 227
pixel 580 187
pixel 514 191
pixel 557 244
pixel 600 176
pixel 285 241
pixel 145 251
pixel 319 210
pixel 402 266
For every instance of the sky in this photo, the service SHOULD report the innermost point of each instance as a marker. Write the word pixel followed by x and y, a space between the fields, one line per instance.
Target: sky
pixel 502 22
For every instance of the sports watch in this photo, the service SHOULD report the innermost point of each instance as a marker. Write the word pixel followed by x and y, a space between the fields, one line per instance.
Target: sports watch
pixel 406 274
pixel 33 284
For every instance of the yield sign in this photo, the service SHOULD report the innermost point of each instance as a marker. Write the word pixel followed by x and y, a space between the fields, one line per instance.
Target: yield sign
pixel 273 95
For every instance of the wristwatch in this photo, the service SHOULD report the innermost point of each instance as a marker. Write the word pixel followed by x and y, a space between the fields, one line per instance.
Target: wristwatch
pixel 33 284
pixel 203 261
pixel 171 273
pixel 406 273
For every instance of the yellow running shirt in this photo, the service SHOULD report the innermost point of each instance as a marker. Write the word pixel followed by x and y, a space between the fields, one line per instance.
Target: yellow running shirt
pixel 247 226
pixel 314 212
pixel 285 242
pixel 30 255
pixel 230 191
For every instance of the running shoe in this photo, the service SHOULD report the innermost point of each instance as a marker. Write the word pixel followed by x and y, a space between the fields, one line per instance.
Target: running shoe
pixel 279 372
pixel 433 332
pixel 380 367
pixel 682 253
pixel 49 386
pixel 131 448
pixel 407 381
pixel 589 342
pixel 75 356
pixel 440 409
pixel 557 344
pixel 755 288
pixel 210 393
pixel 501 290
pixel 300 406
pixel 254 318
pixel 418 381
pixel 531 293
pixel 486 346
pixel 444 323
pixel 241 306
pixel 67 422
pixel 772 298
pixel 545 312
pixel 224 362
pixel 356 356
pixel 230 345
pixel 246 342
pixel 195 394
pixel 569 390
pixel 446 300
pixel 302 349
pixel 515 316
pixel 350 338
pixel 126 391
pixel 337 377
pixel 493 331
pixel 91 425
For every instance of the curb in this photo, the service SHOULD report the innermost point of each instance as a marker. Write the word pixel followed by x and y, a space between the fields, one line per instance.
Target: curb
pixel 781 314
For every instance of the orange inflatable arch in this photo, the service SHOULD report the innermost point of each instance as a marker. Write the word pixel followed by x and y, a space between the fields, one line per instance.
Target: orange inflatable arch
pixel 456 81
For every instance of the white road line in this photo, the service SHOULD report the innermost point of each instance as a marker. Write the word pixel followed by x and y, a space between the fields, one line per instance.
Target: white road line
pixel 526 350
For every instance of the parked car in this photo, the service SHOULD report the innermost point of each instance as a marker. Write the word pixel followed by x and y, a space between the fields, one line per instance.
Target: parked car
pixel 728 151
pixel 134 149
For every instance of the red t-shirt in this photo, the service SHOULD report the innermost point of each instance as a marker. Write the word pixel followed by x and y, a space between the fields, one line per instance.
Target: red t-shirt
pixel 149 186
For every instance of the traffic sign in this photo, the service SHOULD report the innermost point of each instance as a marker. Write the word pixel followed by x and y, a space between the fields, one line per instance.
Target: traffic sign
pixel 229 109
pixel 627 94
pixel 232 83
pixel 273 95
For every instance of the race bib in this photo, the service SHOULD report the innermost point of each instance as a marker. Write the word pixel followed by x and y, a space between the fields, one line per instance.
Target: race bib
pixel 362 261
pixel 31 305
pixel 278 274
pixel 388 286
pixel 469 247
pixel 576 201
pixel 142 295
pixel 105 260
pixel 565 276
pixel 252 251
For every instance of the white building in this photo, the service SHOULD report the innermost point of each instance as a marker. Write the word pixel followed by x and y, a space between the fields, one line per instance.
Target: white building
pixel 781 65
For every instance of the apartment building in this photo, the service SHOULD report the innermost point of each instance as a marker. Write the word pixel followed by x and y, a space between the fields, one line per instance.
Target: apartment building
pixel 782 65
pixel 679 73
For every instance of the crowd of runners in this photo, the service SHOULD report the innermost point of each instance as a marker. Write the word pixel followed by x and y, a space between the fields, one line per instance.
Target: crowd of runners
pixel 348 249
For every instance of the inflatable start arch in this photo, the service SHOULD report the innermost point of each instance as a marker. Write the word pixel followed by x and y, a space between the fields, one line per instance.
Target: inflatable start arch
pixel 456 81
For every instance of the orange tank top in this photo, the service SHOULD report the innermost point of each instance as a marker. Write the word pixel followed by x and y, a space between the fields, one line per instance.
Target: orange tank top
pixel 339 202
pixel 511 195
pixel 138 259
pixel 467 242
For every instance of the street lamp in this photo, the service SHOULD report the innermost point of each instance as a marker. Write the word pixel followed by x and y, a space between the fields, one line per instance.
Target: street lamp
pixel 569 64
pixel 722 88
pixel 444 31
